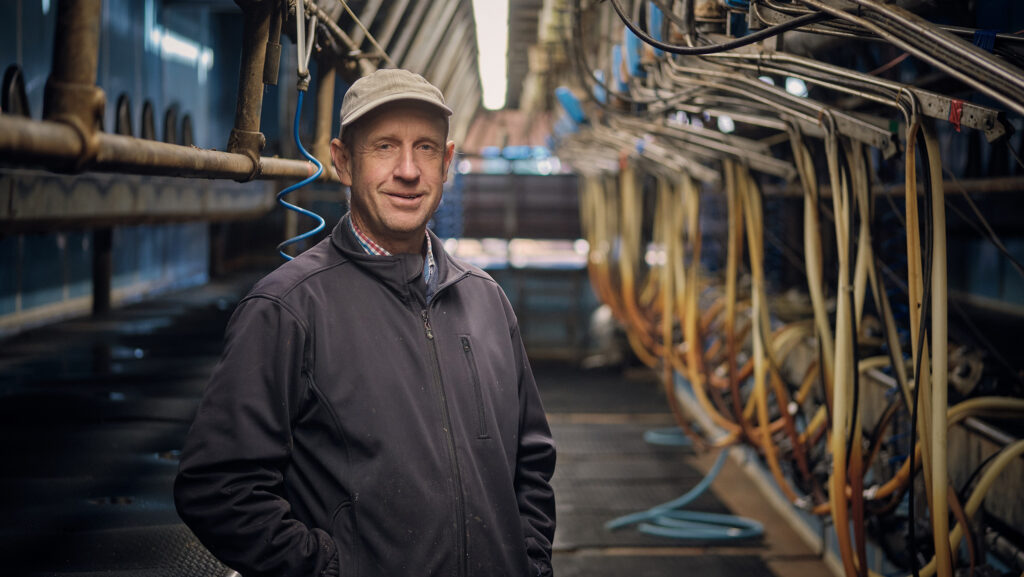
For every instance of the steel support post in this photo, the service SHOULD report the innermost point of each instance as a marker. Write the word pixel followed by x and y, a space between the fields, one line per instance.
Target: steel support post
pixel 218 249
pixel 71 96
pixel 272 64
pixel 324 114
pixel 246 137
pixel 102 269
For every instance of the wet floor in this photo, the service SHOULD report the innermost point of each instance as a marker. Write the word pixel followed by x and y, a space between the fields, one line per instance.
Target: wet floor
pixel 94 412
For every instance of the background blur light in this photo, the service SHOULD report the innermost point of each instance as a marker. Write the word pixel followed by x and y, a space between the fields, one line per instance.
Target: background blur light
pixel 492 49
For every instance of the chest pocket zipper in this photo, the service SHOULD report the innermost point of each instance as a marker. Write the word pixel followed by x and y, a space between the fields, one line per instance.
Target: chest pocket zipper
pixel 475 374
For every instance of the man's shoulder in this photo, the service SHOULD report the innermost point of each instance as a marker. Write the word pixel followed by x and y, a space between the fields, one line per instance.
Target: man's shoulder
pixel 472 272
pixel 305 268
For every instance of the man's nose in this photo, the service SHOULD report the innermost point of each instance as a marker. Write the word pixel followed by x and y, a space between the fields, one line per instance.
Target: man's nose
pixel 407 168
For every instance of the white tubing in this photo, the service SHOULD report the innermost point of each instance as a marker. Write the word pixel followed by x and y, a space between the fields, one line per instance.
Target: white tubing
pixel 940 371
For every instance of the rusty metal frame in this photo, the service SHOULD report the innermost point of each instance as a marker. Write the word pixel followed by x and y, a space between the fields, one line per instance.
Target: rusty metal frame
pixel 68 139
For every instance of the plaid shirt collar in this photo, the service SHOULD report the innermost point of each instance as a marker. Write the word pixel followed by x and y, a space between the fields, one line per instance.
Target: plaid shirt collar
pixel 371 247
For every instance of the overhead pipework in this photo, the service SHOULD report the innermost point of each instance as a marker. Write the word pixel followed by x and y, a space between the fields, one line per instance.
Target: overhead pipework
pixel 843 388
pixel 69 138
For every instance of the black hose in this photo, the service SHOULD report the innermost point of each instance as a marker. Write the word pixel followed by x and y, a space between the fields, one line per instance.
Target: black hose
pixel 580 53
pixel 851 255
pixel 725 46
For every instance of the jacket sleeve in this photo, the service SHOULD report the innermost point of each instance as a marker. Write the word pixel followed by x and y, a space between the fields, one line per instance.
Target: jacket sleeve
pixel 534 468
pixel 229 484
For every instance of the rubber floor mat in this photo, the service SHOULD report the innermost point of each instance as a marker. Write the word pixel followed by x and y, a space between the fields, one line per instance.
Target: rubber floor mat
pixel 660 566
pixel 164 551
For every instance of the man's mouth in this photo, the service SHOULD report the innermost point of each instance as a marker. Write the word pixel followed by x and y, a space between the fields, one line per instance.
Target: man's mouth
pixel 409 196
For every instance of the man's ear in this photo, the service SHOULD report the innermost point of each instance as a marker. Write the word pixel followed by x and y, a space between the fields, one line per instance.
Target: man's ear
pixel 449 154
pixel 340 158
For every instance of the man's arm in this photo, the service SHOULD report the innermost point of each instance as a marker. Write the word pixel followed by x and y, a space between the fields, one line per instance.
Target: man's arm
pixel 534 468
pixel 228 488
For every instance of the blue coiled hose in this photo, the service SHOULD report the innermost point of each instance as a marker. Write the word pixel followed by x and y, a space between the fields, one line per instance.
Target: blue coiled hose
pixel 667 520
pixel 298 185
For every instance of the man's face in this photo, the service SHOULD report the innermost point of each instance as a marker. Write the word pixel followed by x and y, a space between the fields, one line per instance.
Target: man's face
pixel 396 169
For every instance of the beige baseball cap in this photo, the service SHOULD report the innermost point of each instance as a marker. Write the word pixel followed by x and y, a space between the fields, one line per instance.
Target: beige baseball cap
pixel 384 86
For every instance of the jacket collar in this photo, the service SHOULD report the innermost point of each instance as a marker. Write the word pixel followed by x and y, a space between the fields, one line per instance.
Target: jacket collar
pixel 401 272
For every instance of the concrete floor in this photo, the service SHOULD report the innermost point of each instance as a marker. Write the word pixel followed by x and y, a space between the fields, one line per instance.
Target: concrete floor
pixel 614 408
pixel 94 410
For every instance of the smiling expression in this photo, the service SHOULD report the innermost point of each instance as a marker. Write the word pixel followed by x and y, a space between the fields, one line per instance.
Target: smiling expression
pixel 396 170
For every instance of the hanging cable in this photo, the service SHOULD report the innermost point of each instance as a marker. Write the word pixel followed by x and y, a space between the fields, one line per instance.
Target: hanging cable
pixel 580 54
pixel 303 52
pixel 370 37
pixel 725 46
pixel 921 351
pixel 298 185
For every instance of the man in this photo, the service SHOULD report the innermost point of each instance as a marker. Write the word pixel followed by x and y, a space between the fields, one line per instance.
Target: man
pixel 374 413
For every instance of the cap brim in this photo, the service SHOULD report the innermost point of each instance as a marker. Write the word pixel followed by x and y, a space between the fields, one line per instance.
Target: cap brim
pixel 360 112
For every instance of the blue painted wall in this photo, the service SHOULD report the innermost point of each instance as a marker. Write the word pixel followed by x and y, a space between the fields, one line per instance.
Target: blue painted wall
pixel 181 56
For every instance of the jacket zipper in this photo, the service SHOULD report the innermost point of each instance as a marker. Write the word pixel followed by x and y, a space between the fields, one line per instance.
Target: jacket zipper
pixel 459 504
pixel 481 427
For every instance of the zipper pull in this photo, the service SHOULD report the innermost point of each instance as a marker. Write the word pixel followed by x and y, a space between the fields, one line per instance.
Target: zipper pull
pixel 426 325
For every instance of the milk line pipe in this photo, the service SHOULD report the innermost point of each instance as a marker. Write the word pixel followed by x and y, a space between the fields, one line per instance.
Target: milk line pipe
pixel 338 34
pixel 919 28
pixel 974 186
pixel 778 425
pixel 813 256
pixel 52 145
pixel 785 422
pixel 859 195
pixel 592 260
pixel 920 294
pixel 947 53
pixel 691 331
pixel 939 368
pixel 601 287
pixel 672 210
pixel 816 72
pixel 734 147
pixel 753 218
pixel 807 112
pixel 697 50
pixel 733 249
pixel 843 367
pixel 692 133
pixel 780 114
pixel 788 9
pixel 992 132
pixel 579 52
